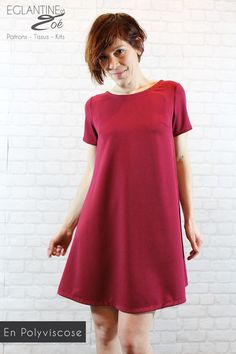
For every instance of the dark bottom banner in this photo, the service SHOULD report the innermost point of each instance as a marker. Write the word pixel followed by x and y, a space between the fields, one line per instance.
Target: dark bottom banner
pixel 42 331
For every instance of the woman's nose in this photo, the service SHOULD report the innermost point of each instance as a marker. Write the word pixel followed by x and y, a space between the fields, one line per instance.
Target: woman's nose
pixel 112 62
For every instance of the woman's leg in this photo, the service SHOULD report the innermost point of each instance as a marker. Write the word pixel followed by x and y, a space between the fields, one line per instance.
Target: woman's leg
pixel 105 320
pixel 133 332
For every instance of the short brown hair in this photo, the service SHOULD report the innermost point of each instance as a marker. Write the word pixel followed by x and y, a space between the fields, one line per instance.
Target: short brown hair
pixel 104 31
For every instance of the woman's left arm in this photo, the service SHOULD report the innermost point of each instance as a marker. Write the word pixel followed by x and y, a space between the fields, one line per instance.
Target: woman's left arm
pixel 185 193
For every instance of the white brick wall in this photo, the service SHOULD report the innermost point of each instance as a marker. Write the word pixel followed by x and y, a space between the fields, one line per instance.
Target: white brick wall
pixel 43 88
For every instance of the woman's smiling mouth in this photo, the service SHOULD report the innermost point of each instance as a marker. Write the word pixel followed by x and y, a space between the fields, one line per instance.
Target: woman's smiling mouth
pixel 120 73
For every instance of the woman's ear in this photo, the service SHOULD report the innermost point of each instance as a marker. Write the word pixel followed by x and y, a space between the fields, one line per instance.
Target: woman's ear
pixel 139 45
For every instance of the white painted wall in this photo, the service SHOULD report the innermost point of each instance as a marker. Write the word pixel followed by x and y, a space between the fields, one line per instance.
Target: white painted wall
pixel 44 85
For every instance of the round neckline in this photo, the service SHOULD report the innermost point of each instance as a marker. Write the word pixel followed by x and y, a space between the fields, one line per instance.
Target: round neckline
pixel 135 93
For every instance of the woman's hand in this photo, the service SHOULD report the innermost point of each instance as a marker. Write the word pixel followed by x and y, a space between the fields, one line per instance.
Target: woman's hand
pixel 195 238
pixel 59 244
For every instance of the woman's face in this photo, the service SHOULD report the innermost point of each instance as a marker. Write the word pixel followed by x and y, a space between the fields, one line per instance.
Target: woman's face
pixel 120 61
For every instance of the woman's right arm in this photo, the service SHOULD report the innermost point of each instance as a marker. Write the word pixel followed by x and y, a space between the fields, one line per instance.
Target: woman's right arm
pixel 58 244
pixel 77 203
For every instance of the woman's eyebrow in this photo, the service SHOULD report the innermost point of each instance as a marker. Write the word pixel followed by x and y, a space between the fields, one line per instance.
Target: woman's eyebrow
pixel 116 47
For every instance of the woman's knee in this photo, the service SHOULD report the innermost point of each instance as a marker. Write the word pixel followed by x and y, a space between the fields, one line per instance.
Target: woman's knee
pixel 106 331
pixel 134 332
pixel 105 321
pixel 133 344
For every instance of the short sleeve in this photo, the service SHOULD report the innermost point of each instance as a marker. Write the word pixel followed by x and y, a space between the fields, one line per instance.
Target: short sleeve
pixel 90 133
pixel 180 121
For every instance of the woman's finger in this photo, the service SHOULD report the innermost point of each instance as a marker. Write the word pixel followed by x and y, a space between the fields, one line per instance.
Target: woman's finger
pixel 50 248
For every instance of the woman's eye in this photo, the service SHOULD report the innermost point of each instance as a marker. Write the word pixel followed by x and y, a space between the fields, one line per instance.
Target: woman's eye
pixel 102 58
pixel 120 50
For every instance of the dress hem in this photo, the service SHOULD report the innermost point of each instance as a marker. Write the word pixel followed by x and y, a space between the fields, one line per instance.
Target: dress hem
pixel 121 308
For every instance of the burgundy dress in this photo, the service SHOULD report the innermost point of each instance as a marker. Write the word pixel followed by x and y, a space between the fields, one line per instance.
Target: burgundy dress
pixel 127 250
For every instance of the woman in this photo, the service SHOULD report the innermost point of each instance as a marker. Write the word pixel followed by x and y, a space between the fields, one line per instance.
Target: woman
pixel 127 257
